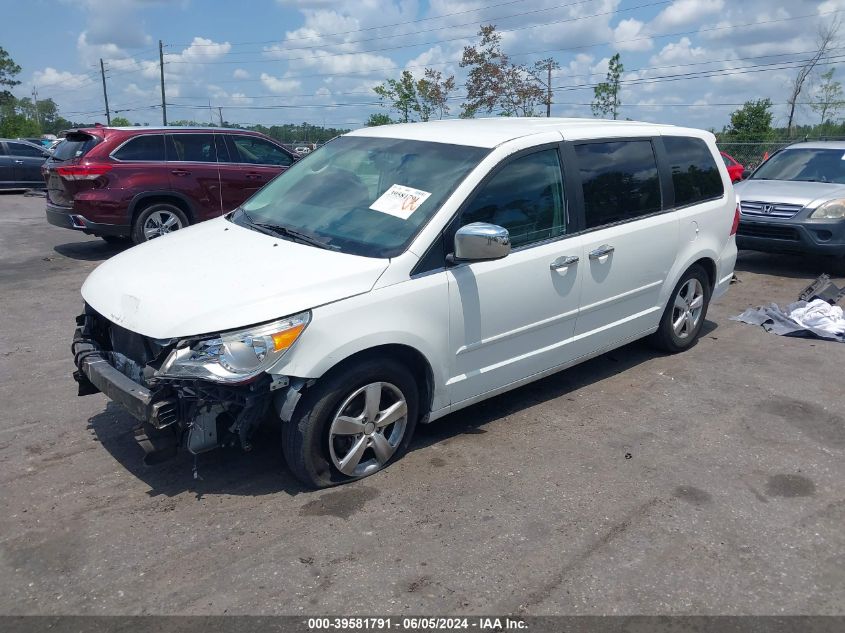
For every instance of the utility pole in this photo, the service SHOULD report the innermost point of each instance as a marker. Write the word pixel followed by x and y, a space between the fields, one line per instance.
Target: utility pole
pixel 105 92
pixel 35 103
pixel 161 65
pixel 220 112
pixel 549 92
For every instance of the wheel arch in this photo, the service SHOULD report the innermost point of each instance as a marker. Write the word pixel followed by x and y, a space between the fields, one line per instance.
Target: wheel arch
pixel 142 200
pixel 409 356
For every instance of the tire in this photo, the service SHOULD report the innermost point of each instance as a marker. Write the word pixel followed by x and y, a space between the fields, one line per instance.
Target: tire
pixel 669 338
pixel 168 217
pixel 315 442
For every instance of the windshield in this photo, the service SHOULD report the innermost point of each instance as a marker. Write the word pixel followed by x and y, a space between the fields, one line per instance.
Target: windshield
pixel 804 164
pixel 364 196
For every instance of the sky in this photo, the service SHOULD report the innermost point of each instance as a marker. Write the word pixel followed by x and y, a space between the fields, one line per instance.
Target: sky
pixel 687 62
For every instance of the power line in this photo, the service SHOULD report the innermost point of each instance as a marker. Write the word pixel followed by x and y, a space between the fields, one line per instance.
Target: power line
pixel 521 28
pixel 372 28
pixel 443 41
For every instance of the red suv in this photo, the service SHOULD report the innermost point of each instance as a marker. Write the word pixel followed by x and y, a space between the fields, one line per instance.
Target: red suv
pixel 143 182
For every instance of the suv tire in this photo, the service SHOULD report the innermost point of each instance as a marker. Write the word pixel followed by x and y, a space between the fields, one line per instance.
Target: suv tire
pixel 341 418
pixel 159 218
pixel 685 313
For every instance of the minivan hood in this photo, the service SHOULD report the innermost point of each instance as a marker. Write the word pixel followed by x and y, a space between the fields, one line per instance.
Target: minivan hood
pixel 218 276
pixel 788 191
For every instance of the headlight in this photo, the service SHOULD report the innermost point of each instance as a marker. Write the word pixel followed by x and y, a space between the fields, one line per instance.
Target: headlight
pixel 236 356
pixel 831 210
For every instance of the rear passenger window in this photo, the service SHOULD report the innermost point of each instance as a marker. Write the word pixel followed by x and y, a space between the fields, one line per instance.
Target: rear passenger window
pixel 620 181
pixel 694 172
pixel 148 148
pixel 525 197
pixel 21 149
pixel 192 148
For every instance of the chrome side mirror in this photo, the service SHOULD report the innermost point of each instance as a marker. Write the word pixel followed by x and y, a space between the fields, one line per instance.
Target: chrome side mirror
pixel 480 241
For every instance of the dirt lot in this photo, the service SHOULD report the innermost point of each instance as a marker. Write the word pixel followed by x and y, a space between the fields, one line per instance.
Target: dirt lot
pixel 710 482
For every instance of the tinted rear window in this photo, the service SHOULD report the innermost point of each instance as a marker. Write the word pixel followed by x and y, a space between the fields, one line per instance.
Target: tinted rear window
pixel 149 147
pixel 192 148
pixel 620 181
pixel 694 172
pixel 74 146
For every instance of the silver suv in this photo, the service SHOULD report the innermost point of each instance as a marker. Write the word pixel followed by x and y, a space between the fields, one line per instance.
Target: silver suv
pixel 795 201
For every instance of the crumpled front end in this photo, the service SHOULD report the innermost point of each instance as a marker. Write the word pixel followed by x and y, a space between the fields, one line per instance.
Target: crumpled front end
pixel 173 412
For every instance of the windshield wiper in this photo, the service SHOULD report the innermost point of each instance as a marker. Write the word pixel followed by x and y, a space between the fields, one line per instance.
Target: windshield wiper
pixel 291 234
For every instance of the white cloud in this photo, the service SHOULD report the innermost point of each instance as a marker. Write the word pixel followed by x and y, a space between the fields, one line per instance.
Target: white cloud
pixel 679 52
pixel 629 36
pixel 240 73
pixel 279 86
pixel 60 79
pixel 684 12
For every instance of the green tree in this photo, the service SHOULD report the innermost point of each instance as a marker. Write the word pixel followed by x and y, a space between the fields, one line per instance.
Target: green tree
pixel 400 95
pixel 494 83
pixel 752 122
pixel 828 99
pixel 8 71
pixel 378 119
pixel 606 98
pixel 17 126
pixel 120 121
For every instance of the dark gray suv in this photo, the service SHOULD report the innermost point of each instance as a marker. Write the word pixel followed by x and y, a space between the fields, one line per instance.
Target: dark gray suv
pixel 795 201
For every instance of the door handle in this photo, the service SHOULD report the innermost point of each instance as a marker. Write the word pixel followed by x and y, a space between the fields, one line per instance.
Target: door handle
pixel 255 176
pixel 18 162
pixel 563 262
pixel 180 172
pixel 601 251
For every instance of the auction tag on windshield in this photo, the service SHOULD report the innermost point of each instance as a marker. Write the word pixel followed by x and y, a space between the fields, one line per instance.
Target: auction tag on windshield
pixel 400 201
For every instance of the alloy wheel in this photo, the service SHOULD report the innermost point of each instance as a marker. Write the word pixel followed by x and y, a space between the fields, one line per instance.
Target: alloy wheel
pixel 367 429
pixel 687 308
pixel 161 223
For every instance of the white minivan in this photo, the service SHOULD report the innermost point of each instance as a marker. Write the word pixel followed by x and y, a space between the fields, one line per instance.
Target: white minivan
pixel 404 272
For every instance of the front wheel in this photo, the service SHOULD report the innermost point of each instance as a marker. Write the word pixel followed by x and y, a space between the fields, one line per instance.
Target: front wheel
pixel 684 315
pixel 352 423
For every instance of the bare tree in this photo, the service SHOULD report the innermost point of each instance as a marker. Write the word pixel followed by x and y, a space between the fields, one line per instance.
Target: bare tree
pixel 825 40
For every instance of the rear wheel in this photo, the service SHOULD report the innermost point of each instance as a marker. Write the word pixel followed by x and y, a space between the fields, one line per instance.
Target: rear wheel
pixel 160 218
pixel 684 316
pixel 352 423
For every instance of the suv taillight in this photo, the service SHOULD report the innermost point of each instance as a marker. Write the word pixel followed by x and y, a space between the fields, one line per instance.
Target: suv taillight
pixel 736 220
pixel 83 172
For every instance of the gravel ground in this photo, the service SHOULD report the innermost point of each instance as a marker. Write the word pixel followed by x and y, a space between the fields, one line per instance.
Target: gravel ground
pixel 711 482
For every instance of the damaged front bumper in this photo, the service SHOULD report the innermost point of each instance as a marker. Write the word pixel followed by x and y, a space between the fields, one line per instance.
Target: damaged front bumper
pixel 173 413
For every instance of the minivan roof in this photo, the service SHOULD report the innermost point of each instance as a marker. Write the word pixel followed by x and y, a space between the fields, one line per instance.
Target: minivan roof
pixel 491 132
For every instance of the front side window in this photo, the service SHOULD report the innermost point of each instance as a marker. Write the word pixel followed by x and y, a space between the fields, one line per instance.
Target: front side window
pixel 620 181
pixel 192 148
pixel 149 147
pixel 360 195
pixel 695 175
pixel 525 197
pixel 804 164
pixel 257 151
